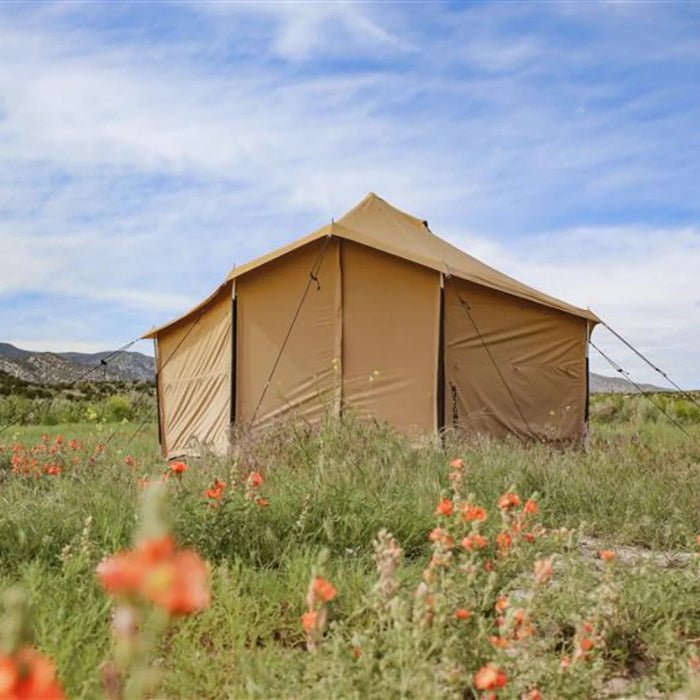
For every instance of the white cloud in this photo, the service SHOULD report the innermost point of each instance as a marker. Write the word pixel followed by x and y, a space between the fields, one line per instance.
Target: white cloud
pixel 138 166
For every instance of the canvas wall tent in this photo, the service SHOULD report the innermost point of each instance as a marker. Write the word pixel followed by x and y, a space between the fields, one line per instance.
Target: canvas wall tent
pixel 375 314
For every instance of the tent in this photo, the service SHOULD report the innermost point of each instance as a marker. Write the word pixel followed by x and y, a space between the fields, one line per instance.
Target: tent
pixel 377 315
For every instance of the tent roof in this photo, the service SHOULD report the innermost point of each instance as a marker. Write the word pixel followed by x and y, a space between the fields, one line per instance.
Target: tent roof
pixel 377 224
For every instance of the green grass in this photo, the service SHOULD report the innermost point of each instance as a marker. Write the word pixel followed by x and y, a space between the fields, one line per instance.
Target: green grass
pixel 636 483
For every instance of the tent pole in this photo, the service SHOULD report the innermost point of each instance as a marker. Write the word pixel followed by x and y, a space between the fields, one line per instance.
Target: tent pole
pixel 234 357
pixel 440 393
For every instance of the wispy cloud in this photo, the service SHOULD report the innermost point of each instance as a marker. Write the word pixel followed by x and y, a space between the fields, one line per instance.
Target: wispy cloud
pixel 146 149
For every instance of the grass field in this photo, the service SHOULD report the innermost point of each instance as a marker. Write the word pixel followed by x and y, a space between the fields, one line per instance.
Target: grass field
pixel 418 612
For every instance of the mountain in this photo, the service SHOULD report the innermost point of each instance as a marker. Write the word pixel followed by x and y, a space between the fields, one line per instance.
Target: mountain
pixel 67 367
pixel 600 384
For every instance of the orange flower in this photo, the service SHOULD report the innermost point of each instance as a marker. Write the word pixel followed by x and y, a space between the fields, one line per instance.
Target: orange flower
pixel 474 541
pixel 440 535
pixel 217 491
pixel 130 461
pixel 180 584
pixel 607 554
pixel 309 620
pixel 178 468
pixel 8 677
pixel 176 580
pixel 533 694
pixel 444 507
pixel 53 470
pixel 500 642
pixel 254 479
pixel 463 614
pixel 508 500
pixel 488 566
pixel 490 677
pixel 531 507
pixel 263 502
pixel 457 464
pixel 471 512
pixel 29 675
pixel 324 589
pixel 504 541
pixel 587 644
pixel 502 603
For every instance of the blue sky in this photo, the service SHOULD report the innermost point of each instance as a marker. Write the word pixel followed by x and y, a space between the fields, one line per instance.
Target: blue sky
pixel 147 147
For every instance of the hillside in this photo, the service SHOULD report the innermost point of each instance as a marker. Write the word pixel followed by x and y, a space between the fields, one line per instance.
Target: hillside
pixel 600 384
pixel 67 367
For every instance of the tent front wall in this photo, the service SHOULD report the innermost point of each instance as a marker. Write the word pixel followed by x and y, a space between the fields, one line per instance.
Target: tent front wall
pixel 391 325
pixel 194 380
pixel 367 337
pixel 512 366
pixel 286 363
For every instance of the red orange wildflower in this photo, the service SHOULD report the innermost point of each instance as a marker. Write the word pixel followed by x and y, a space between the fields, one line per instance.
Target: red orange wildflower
pixel 444 507
pixel 473 513
pixel 463 614
pixel 607 554
pixel 502 604
pixel 309 620
pixel 509 500
pixel 504 541
pixel 323 589
pixel 176 580
pixel 474 541
pixel 29 675
pixel 490 677
pixel 254 479
pixel 178 468
pixel 216 492
pixel 531 507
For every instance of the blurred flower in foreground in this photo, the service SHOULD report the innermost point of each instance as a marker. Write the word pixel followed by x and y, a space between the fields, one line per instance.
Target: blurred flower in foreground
pixel 175 580
pixel 25 673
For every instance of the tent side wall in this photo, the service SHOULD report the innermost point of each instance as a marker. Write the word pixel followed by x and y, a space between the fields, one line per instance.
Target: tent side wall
pixel 194 375
pixel 540 353
pixel 303 374
pixel 391 329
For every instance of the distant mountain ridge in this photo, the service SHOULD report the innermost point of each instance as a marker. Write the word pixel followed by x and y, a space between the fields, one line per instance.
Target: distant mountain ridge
pixel 67 367
pixel 600 384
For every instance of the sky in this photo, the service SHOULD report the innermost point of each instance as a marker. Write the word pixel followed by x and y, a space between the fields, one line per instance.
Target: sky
pixel 146 148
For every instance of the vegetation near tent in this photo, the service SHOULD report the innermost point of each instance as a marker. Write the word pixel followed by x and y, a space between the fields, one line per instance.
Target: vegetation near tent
pixel 375 314
pixel 331 573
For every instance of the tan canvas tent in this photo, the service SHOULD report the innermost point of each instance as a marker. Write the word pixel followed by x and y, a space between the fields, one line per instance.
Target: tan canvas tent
pixel 376 315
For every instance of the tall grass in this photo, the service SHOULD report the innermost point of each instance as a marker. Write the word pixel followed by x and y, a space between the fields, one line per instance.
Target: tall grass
pixel 332 490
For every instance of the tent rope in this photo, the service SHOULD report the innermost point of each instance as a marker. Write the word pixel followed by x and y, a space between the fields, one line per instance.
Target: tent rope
pixel 144 395
pixel 467 310
pixel 687 395
pixel 313 277
pixel 646 394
